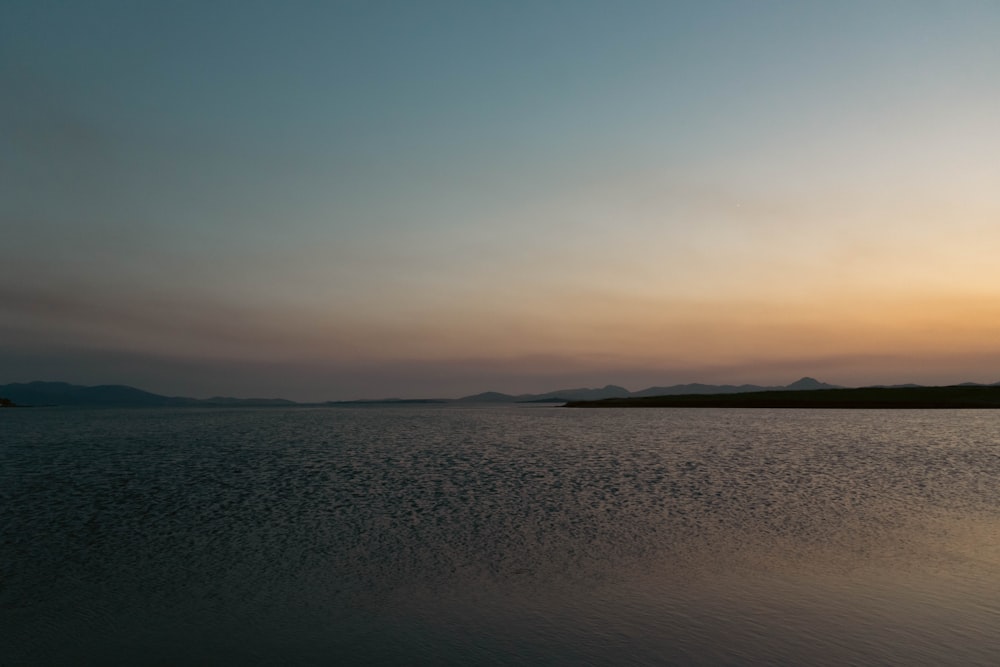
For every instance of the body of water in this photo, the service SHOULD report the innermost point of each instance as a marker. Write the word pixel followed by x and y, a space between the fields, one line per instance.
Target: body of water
pixel 499 535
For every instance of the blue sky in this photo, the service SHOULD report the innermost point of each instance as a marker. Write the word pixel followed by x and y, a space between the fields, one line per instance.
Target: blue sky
pixel 334 200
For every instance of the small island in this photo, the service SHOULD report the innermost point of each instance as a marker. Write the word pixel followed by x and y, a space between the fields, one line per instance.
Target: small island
pixel 7 403
pixel 958 396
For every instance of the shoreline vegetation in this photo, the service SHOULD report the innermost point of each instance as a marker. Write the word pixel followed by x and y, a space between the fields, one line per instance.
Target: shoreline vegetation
pixel 893 398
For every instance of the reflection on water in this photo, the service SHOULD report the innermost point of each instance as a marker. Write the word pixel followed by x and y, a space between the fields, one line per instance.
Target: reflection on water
pixel 496 535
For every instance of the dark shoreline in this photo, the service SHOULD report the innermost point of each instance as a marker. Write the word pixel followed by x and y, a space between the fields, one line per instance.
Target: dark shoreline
pixel 881 398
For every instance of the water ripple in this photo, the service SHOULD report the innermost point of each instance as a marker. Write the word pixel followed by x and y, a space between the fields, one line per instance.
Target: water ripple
pixel 496 535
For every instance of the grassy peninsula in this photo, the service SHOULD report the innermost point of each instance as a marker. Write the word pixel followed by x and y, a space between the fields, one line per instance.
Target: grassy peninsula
pixel 958 396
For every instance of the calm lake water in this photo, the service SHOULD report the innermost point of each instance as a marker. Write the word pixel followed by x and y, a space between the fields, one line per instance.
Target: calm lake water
pixel 499 535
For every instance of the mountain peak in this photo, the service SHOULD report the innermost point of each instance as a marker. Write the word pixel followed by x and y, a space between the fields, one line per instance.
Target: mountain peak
pixel 809 383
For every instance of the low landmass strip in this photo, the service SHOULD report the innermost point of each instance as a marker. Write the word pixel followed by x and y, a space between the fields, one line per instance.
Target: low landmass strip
pixel 804 393
pixel 958 396
pixel 64 394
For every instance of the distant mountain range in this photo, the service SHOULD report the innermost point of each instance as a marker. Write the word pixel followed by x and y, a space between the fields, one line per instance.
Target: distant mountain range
pixel 113 395
pixel 64 394
pixel 614 391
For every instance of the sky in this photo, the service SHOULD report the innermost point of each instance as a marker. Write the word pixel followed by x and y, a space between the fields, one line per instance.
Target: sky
pixel 337 200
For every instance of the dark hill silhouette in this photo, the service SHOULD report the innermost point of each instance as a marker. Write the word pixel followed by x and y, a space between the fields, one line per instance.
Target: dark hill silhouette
pixel 111 395
pixel 62 393
pixel 578 394
pixel 809 384
pixel 803 384
pixel 489 397
pixel 614 391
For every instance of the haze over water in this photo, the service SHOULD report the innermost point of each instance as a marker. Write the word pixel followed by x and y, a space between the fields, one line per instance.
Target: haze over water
pixel 449 535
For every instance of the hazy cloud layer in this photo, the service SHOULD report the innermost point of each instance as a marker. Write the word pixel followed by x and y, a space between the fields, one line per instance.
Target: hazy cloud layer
pixel 365 199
